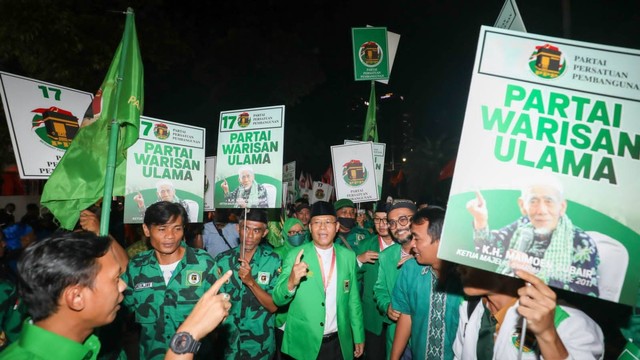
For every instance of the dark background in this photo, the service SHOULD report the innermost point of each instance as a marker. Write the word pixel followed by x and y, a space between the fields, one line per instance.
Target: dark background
pixel 202 57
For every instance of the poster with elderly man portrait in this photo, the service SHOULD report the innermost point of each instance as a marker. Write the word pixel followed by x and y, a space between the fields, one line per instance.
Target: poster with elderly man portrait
pixel 166 164
pixel 249 158
pixel 547 169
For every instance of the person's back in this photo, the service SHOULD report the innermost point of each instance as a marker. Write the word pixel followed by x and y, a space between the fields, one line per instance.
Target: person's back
pixel 218 237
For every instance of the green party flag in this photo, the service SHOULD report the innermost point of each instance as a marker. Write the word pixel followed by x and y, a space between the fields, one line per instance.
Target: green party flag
pixel 78 180
pixel 370 132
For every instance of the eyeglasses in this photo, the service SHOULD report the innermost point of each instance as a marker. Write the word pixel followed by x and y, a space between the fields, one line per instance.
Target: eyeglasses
pixel 378 221
pixel 254 231
pixel 292 233
pixel 402 220
pixel 320 223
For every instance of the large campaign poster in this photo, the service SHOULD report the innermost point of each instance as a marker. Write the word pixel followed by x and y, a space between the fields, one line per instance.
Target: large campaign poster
pixel 249 158
pixel 167 163
pixel 547 169
pixel 353 170
pixel 43 119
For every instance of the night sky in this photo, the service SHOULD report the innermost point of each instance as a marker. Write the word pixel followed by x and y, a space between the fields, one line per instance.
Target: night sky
pixel 202 57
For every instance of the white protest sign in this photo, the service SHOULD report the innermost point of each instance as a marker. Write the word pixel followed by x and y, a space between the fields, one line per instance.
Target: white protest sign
pixel 43 118
pixel 354 175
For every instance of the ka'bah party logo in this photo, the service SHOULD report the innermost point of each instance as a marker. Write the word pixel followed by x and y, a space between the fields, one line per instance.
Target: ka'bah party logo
pixel 370 54
pixel 319 194
pixel 354 173
pixel 161 131
pixel 547 62
pixel 54 126
pixel 244 119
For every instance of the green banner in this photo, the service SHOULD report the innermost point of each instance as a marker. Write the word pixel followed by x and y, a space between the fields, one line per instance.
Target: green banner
pixel 370 55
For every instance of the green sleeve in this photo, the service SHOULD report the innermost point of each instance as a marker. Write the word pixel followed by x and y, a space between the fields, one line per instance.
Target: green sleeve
pixel 281 295
pixel 381 288
pixel 355 309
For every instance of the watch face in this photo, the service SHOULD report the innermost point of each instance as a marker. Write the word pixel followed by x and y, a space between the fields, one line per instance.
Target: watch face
pixel 182 343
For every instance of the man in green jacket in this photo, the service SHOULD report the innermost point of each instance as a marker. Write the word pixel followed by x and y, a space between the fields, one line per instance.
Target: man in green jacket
pixel 391 260
pixel 374 325
pixel 248 331
pixel 350 235
pixel 319 282
pixel 164 283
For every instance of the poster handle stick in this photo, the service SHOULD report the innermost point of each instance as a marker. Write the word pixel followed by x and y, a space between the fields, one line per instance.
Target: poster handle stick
pixel 244 232
pixel 522 336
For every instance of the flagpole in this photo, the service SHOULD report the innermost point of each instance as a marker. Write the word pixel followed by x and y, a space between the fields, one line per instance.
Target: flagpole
pixel 114 131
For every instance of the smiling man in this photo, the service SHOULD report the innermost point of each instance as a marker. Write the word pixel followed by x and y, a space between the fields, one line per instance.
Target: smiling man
pixel 390 261
pixel 164 283
pixel 255 272
pixel 427 294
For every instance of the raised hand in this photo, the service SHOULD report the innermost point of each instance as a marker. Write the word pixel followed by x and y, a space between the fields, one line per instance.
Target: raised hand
pixel 299 270
pixel 478 209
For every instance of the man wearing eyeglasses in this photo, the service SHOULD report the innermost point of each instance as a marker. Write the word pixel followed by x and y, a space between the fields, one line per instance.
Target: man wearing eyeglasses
pixel 248 332
pixel 391 260
pixel 319 284
pixel 374 325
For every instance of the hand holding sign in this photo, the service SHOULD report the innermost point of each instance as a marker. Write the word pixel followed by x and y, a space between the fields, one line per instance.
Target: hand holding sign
pixel 478 209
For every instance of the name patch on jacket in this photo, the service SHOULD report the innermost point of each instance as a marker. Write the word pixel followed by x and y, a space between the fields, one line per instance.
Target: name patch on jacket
pixel 144 285
pixel 193 278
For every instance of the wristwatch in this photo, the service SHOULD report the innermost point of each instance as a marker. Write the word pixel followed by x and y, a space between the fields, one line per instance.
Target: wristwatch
pixel 183 343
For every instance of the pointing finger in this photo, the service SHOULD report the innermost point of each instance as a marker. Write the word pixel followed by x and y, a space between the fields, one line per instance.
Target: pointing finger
pixel 299 257
pixel 480 198
pixel 216 286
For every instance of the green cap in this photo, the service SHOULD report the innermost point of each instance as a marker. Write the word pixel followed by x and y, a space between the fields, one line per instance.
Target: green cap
pixel 342 203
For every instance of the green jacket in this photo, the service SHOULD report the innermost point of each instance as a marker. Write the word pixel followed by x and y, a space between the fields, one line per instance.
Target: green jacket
pixel 161 308
pixel 248 331
pixel 388 272
pixel 281 313
pixel 353 238
pixel 12 312
pixel 37 343
pixel 305 323
pixel 373 318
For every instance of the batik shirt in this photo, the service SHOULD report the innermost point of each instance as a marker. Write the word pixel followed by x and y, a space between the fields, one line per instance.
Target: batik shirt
pixel 433 307
pixel 248 331
pixel 160 308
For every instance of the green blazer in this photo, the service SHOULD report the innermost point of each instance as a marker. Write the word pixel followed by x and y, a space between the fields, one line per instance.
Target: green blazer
pixel 305 321
pixel 373 318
